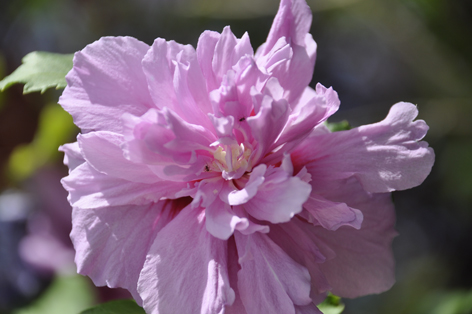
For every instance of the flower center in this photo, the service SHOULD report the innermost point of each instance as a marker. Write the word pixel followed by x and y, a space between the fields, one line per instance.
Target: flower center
pixel 231 158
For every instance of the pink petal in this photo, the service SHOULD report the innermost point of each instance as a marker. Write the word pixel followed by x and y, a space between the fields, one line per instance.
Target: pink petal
pixel 178 150
pixel 223 55
pixel 72 155
pixel 233 267
pixel 300 69
pixel 267 124
pixel 312 109
pixel 269 280
pixel 205 51
pixel 228 51
pixel 221 221
pixel 332 215
pixel 238 197
pixel 186 269
pixel 111 243
pixel 176 81
pixel 89 188
pixel 102 151
pixel 309 309
pixel 302 249
pixel 292 23
pixel 249 76
pixel 385 156
pixel 106 81
pixel 363 262
pixel 279 198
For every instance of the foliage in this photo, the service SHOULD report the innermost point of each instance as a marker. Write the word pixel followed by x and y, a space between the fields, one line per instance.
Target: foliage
pixel 338 126
pixel 55 128
pixel 116 307
pixel 331 305
pixel 65 295
pixel 40 70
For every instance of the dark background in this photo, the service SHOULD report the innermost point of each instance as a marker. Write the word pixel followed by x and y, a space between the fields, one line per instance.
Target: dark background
pixel 373 52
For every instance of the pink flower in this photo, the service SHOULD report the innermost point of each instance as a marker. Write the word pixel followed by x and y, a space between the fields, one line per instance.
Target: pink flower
pixel 205 181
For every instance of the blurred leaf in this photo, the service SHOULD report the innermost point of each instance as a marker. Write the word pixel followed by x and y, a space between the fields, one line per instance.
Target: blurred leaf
pixel 55 128
pixel 116 307
pixel 338 126
pixel 455 166
pixel 2 73
pixel 40 70
pixel 65 295
pixel 331 305
pixel 446 302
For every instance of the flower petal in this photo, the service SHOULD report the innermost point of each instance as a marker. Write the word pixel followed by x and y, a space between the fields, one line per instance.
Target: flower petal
pixel 385 156
pixel 106 81
pixel 279 198
pixel 111 243
pixel 205 51
pixel 293 21
pixel 176 81
pixel 269 280
pixel 238 197
pixel 308 309
pixel 332 215
pixel 102 151
pixel 221 221
pixel 313 108
pixel 363 261
pixel 300 246
pixel 186 269
pixel 72 155
pixel 89 188
pixel 291 24
pixel 268 122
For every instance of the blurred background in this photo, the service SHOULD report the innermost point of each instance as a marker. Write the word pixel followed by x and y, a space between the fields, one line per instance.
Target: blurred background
pixel 373 52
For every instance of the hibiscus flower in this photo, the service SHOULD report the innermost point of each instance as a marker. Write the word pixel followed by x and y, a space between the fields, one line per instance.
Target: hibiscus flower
pixel 206 181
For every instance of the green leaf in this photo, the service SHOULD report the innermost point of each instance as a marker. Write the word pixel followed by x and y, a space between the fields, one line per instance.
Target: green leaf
pixel 40 70
pixel 338 126
pixel 55 128
pixel 331 305
pixel 116 307
pixel 65 295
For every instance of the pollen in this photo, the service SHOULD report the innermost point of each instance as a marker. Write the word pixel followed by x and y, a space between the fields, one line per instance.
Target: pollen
pixel 231 158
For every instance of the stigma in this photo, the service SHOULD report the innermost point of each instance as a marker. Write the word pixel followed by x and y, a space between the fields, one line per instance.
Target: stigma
pixel 231 160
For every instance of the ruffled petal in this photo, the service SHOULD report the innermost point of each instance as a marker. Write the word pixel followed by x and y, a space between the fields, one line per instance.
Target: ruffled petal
pixel 308 309
pixel 300 246
pixel 313 108
pixel 238 197
pixel 290 26
pixel 186 269
pixel 111 243
pixel 205 51
pixel 362 262
pixel 384 156
pixel 293 21
pixel 72 155
pixel 269 121
pixel 106 81
pixel 332 215
pixel 174 149
pixel 279 198
pixel 269 280
pixel 176 81
pixel 102 151
pixel 233 267
pixel 223 59
pixel 221 221
pixel 89 188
